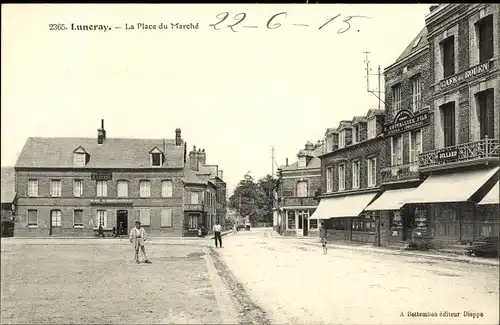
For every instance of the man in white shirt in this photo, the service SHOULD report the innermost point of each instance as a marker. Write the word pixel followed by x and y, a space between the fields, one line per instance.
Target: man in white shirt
pixel 217 229
pixel 138 237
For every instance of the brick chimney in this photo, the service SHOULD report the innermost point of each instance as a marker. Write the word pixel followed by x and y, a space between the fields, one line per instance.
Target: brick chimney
pixel 178 139
pixel 202 157
pixel 286 163
pixel 193 159
pixel 101 133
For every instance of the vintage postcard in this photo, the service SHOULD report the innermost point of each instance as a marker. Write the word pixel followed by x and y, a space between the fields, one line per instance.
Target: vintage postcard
pixel 304 163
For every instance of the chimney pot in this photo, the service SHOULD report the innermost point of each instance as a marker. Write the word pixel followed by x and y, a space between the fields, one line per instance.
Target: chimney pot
pixel 286 162
pixel 194 148
pixel 178 139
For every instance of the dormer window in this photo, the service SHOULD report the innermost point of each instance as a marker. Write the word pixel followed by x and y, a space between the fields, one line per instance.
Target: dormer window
pixel 329 143
pixel 302 162
pixel 157 157
pixel 342 139
pixel 79 157
pixel 355 134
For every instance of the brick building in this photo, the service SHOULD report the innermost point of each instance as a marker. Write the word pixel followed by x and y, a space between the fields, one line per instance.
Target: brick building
pixel 350 178
pixel 464 104
pixel 205 197
pixel 8 201
pixel 300 183
pixel 70 186
pixel 407 133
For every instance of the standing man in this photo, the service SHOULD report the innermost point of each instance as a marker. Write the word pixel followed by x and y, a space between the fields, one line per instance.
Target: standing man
pixel 138 238
pixel 217 234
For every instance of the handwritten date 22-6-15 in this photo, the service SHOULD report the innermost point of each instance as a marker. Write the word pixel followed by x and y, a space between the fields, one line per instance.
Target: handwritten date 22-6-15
pixel 273 22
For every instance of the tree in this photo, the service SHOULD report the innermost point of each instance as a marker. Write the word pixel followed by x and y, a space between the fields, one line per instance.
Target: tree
pixel 249 199
pixel 268 184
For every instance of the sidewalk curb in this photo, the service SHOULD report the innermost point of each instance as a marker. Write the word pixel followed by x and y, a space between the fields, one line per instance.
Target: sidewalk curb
pixel 421 255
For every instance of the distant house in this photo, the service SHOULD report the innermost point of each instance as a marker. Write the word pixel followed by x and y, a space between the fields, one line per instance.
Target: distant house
pixel 300 184
pixel 8 200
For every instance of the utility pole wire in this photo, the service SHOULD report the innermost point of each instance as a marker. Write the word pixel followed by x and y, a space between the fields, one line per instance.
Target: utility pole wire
pixel 379 90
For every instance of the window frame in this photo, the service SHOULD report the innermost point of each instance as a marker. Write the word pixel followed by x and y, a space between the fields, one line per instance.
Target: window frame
pixel 195 194
pixel 393 153
pixel 103 188
pixel 148 188
pixel 356 173
pixel 329 179
pixel 169 188
pixel 79 159
pixel 36 188
pixel 342 142
pixel 416 96
pixel 32 225
pixel 105 218
pixel 55 193
pixel 76 181
pixel 371 127
pixel 396 98
pixel 341 177
pixel 54 211
pixel 78 225
pixel 482 56
pixel 170 216
pixel 122 182
pixel 412 142
pixel 372 172
pixel 450 68
pixel 355 129
pixel 145 218
pixel 302 162
pixel 449 140
pixel 298 190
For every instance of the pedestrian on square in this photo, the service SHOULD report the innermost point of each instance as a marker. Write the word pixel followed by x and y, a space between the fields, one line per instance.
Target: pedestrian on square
pixel 138 237
pixel 323 243
pixel 100 232
pixel 235 230
pixel 217 234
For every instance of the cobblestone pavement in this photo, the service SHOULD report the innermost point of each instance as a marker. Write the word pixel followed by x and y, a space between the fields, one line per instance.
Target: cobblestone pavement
pixel 92 281
pixel 293 282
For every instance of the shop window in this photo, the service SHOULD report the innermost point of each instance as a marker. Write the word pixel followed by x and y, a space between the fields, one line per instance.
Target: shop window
pixel 291 220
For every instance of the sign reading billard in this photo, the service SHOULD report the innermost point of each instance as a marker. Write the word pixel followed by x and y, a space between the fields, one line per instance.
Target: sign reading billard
pixel 474 71
pixel 101 176
pixel 448 154
pixel 405 121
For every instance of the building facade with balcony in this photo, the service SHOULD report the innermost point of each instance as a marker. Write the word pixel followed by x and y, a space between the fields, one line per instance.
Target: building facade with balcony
pixel 205 196
pixel 407 133
pixel 463 165
pixel 71 186
pixel 350 178
pixel 299 187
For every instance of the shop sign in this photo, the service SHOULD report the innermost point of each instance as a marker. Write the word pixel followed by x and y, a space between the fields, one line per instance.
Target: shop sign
pixel 101 176
pixel 467 74
pixel 405 121
pixel 449 154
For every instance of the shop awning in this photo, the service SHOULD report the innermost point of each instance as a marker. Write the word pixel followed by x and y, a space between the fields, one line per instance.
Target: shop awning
pixel 391 200
pixel 343 206
pixel 454 187
pixel 492 197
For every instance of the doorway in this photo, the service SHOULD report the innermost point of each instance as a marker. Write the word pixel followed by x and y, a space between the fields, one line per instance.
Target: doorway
pixel 122 222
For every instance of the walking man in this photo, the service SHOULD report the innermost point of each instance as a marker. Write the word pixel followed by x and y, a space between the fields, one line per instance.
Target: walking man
pixel 217 234
pixel 138 237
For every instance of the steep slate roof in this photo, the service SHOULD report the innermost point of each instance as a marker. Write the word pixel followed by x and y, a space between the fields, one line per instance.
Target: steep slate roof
pixel 191 178
pixel 410 49
pixel 374 111
pixel 330 130
pixel 358 119
pixel 315 162
pixel 113 153
pixel 8 185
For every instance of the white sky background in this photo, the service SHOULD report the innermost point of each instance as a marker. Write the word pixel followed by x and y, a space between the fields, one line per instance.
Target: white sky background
pixel 234 94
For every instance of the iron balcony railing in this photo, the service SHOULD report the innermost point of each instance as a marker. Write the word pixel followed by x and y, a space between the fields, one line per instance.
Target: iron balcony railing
pixel 400 172
pixel 482 149
pixel 299 201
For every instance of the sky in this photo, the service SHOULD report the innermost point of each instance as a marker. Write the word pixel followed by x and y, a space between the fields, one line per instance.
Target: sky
pixel 235 94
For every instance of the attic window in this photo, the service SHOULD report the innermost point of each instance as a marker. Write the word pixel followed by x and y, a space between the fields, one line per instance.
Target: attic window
pixel 157 157
pixel 79 157
pixel 302 162
pixel 416 42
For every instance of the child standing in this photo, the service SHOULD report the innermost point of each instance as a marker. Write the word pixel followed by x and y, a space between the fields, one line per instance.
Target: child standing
pixel 138 238
pixel 323 243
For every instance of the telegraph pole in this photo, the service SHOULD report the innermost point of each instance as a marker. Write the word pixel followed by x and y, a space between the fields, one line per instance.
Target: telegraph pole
pixel 379 75
pixel 272 161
